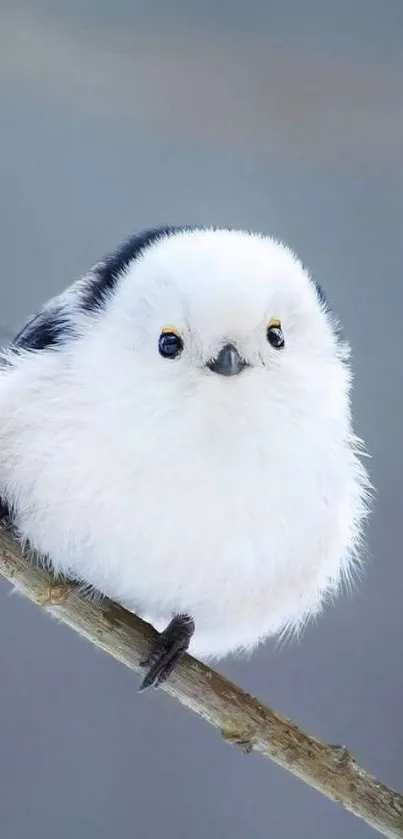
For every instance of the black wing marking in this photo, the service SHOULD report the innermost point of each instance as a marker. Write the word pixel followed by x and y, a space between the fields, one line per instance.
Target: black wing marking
pixel 327 308
pixel 49 328
pixel 320 293
pixel 53 326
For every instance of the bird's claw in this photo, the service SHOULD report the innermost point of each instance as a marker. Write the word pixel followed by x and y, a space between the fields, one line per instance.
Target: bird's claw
pixel 168 648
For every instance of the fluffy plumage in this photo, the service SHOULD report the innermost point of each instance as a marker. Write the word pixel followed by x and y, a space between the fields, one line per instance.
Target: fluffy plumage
pixel 238 500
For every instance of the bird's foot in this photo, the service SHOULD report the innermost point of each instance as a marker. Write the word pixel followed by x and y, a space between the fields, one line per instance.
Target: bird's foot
pixel 168 648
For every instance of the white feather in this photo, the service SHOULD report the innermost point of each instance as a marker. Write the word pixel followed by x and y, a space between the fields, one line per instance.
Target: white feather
pixel 239 500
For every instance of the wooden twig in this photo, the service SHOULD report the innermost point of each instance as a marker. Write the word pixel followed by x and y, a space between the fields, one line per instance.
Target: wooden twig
pixel 241 719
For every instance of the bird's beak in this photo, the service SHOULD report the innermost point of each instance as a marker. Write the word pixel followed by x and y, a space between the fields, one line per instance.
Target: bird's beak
pixel 228 362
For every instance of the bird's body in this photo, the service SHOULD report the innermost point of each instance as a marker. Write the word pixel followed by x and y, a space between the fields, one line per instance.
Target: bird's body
pixel 236 499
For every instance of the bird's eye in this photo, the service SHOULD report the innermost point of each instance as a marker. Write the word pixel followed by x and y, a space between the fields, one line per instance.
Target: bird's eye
pixel 275 334
pixel 170 344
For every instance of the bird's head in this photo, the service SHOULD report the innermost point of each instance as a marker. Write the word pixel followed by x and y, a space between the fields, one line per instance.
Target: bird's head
pixel 223 319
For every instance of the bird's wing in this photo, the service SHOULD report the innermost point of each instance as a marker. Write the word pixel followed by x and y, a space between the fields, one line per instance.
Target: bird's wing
pixel 57 322
pixel 47 328
pixel 59 318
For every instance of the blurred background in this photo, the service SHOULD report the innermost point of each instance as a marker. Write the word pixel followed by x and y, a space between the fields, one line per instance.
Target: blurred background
pixel 283 117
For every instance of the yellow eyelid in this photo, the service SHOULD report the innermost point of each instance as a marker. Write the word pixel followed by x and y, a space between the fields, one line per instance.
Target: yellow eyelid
pixel 170 330
pixel 274 322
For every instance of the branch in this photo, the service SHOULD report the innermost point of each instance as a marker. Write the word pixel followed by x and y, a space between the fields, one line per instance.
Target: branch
pixel 242 719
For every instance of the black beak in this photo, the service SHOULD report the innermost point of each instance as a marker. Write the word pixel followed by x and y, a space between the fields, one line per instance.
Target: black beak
pixel 228 361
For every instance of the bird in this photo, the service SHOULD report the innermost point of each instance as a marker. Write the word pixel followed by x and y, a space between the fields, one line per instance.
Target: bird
pixel 176 433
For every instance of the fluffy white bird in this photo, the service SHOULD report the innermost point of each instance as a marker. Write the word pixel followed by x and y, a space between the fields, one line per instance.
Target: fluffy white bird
pixel 175 432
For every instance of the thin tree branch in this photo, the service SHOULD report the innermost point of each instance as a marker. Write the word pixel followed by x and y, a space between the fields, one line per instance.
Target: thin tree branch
pixel 241 719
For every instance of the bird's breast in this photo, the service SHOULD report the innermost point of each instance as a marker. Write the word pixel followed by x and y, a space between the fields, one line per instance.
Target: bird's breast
pixel 236 525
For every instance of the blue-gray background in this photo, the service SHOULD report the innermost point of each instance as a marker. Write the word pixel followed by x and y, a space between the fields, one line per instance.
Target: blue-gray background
pixel 284 117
